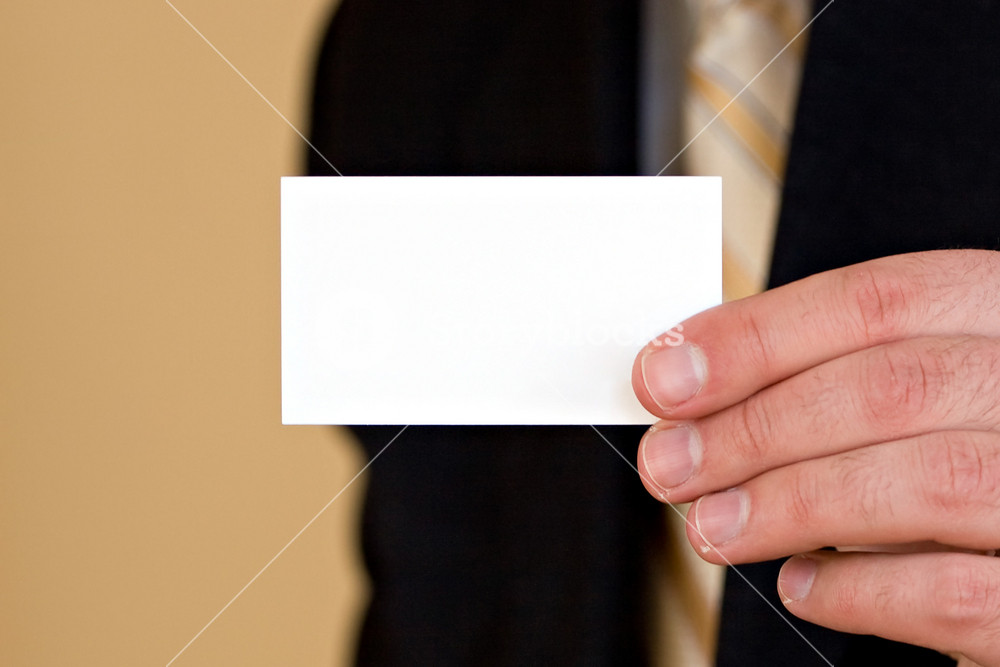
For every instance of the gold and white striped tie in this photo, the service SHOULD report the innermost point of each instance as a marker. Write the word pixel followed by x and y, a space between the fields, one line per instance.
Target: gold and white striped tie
pixel 735 40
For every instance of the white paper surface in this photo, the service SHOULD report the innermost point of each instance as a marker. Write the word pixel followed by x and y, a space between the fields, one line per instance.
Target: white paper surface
pixel 485 300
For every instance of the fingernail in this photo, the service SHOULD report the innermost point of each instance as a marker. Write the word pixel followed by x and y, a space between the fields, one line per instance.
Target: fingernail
pixel 796 578
pixel 673 374
pixel 671 455
pixel 721 516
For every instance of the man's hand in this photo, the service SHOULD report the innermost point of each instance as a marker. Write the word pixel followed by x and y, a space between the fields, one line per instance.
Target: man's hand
pixel 856 407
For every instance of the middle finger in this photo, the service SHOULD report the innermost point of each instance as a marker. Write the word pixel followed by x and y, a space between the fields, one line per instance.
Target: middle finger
pixel 941 488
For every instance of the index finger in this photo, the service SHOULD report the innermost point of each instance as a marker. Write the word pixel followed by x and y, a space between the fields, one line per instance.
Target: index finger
pixel 734 350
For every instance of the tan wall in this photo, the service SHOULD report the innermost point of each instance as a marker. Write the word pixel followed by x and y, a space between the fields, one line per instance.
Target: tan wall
pixel 144 473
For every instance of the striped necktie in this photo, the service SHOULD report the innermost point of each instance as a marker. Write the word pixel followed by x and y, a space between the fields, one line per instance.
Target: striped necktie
pixel 735 40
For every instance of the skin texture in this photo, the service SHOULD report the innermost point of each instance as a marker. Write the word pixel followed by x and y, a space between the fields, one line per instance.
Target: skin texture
pixel 860 406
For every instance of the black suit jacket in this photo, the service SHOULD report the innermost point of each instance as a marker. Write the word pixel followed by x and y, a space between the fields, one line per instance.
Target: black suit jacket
pixel 511 546
pixel 896 149
pixel 492 546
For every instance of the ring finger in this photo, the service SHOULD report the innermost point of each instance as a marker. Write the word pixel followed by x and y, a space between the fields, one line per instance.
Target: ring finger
pixel 942 487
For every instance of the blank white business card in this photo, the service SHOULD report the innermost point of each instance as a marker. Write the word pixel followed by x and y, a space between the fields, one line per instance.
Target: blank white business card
pixel 485 300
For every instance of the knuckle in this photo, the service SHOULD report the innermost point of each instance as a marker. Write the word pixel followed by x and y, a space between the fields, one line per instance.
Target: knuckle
pixel 845 601
pixel 980 368
pixel 801 502
pixel 857 598
pixel 879 298
pixel 884 597
pixel 868 491
pixel 759 349
pixel 958 472
pixel 755 432
pixel 966 594
pixel 899 386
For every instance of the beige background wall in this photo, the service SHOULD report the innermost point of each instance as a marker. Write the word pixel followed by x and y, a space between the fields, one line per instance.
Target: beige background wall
pixel 144 473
